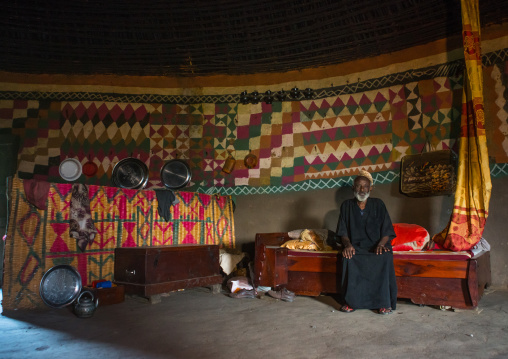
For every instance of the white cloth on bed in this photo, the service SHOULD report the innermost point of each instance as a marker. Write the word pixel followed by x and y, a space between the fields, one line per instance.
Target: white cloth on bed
pixel 481 246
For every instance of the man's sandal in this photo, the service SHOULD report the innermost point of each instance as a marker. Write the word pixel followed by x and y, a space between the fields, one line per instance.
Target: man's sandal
pixel 346 309
pixel 385 311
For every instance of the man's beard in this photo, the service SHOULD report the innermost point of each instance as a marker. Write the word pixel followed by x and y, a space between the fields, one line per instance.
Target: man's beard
pixel 361 198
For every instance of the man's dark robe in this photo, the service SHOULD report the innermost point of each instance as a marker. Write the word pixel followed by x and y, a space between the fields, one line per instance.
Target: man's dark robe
pixel 368 279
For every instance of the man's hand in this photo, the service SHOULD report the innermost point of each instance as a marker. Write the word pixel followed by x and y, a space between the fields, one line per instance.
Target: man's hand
pixel 348 252
pixel 380 249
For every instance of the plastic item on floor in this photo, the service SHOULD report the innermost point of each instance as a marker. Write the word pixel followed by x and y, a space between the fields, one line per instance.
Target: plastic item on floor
pixel 243 293
pixel 263 289
pixel 236 284
pixel 97 281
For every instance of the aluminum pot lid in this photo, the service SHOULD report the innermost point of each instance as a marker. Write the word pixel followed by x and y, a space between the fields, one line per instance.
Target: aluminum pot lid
pixel 60 286
pixel 175 174
pixel 130 173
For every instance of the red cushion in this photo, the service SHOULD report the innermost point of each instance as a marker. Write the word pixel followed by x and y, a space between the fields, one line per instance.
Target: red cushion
pixel 410 237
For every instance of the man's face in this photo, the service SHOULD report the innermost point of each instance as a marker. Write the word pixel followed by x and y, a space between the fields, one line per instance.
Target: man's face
pixel 361 189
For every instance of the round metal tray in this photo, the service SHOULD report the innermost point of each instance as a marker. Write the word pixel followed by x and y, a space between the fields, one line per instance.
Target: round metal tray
pixel 130 173
pixel 60 286
pixel 175 174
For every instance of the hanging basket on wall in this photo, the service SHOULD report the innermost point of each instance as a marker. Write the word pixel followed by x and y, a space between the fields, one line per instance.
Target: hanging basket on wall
pixel 428 174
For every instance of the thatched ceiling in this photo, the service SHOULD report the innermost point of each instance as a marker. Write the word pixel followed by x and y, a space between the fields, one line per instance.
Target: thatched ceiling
pixel 204 37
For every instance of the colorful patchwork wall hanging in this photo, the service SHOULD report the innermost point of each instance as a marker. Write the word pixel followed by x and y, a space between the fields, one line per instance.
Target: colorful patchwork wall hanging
pixel 300 145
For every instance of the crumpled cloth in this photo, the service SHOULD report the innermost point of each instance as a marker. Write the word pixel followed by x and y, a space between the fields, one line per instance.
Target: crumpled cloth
pixel 81 226
pixel 36 192
pixel 309 239
pixel 165 198
pixel 481 246
pixel 228 261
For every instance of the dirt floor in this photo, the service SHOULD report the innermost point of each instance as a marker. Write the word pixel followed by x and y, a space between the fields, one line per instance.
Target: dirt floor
pixel 198 324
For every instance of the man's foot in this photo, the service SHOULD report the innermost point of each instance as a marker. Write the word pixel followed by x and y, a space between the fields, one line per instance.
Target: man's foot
pixel 385 311
pixel 346 309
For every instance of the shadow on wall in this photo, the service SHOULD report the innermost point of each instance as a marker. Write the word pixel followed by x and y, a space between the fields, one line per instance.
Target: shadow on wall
pixel 332 217
pixel 432 212
pixel 302 216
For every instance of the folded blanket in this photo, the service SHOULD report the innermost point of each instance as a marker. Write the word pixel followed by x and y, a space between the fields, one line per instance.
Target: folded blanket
pixel 309 239
pixel 81 226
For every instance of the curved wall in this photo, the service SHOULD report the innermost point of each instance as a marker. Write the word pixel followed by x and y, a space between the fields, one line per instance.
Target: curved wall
pixel 59 116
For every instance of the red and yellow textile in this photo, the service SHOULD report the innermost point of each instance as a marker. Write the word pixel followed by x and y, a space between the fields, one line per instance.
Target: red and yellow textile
pixel 39 239
pixel 409 237
pixel 472 195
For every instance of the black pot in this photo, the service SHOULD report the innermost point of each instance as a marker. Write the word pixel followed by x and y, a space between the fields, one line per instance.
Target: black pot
pixel 86 304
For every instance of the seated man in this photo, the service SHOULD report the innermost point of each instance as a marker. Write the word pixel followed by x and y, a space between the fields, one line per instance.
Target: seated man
pixel 365 230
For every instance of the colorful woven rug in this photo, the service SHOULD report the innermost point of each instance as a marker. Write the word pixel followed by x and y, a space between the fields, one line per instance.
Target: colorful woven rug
pixel 38 240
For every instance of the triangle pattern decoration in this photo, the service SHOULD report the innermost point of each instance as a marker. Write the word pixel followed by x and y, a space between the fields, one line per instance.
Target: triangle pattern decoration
pixel 365 103
pixel 120 126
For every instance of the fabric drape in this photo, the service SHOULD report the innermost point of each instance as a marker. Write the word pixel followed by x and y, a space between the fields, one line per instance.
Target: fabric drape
pixel 472 194
pixel 81 226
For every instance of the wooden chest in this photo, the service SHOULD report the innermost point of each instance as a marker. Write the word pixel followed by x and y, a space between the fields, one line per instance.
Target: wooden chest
pixel 108 296
pixel 424 278
pixel 150 271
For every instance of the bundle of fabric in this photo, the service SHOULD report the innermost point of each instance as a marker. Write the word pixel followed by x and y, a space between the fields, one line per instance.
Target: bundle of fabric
pixel 310 240
pixel 229 260
pixel 410 237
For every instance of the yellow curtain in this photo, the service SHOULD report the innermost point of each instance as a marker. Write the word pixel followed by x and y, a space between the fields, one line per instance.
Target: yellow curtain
pixel 472 195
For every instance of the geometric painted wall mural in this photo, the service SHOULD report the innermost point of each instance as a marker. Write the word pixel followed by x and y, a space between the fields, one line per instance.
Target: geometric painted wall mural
pixel 300 145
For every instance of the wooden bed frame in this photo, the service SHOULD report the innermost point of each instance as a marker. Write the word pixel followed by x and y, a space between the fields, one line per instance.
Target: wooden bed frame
pixel 454 280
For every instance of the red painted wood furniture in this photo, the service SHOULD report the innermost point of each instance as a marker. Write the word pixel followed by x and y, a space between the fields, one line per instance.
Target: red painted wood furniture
pixel 425 278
